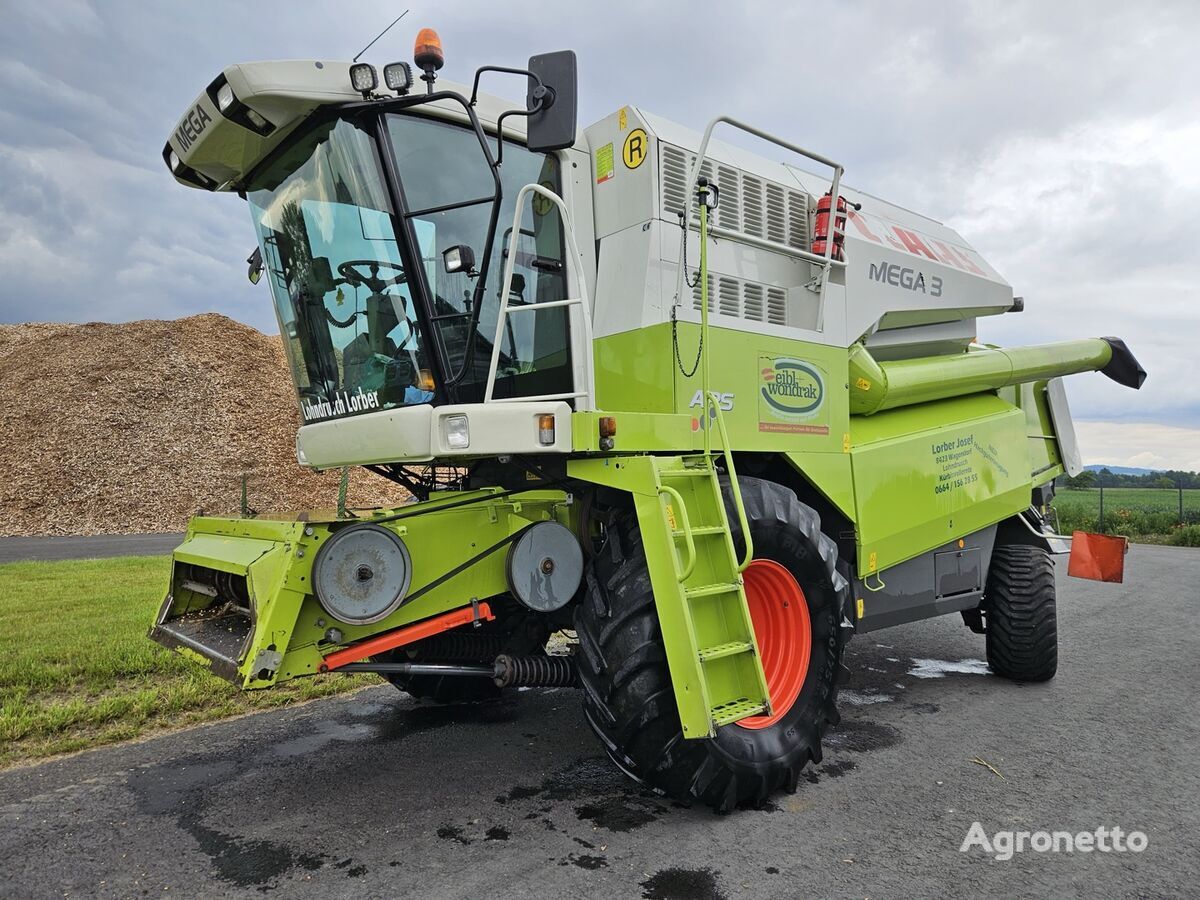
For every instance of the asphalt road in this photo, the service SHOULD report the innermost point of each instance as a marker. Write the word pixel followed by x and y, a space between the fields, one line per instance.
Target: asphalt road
pixel 14 549
pixel 373 796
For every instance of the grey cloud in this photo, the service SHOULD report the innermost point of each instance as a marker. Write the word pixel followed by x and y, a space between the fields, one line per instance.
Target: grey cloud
pixel 980 114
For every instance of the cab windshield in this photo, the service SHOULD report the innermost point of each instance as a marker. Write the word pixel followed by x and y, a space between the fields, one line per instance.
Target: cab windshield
pixel 342 287
pixel 358 279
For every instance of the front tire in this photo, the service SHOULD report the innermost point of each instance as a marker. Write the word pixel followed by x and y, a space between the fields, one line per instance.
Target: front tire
pixel 1020 614
pixel 627 692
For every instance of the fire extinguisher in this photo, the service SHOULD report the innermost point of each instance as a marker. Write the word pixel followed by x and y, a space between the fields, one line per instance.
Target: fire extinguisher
pixel 821 231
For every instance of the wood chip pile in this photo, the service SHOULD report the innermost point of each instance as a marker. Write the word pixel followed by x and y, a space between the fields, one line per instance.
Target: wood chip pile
pixel 117 429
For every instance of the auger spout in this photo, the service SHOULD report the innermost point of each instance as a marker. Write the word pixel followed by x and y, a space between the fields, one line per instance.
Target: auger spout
pixel 876 386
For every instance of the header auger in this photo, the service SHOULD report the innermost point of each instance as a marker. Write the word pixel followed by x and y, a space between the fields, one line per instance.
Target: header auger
pixel 638 390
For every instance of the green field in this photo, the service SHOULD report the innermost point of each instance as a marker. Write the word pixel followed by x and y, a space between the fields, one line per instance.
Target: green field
pixel 1134 512
pixel 78 670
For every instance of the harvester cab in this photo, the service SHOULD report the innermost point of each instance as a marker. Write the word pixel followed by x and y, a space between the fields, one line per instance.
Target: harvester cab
pixel 708 413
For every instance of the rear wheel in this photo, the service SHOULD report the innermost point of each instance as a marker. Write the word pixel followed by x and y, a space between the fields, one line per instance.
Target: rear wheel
pixel 796 599
pixel 1021 620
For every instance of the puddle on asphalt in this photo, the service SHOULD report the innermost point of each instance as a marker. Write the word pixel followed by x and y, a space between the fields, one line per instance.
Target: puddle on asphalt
pixel 182 790
pixel 584 861
pixel 863 698
pixel 859 736
pixel 940 668
pixel 324 733
pixel 682 884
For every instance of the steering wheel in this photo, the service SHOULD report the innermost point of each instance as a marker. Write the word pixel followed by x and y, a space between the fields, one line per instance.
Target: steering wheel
pixel 349 270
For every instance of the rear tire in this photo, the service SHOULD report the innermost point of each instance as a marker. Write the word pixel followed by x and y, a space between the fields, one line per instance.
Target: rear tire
pixel 628 698
pixel 1020 614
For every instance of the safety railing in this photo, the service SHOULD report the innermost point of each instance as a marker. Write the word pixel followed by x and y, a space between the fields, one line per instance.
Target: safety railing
pixel 712 408
pixel 582 363
pixel 826 261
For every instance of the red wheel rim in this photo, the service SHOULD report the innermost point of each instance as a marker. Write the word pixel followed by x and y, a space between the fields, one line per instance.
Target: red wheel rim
pixel 779 612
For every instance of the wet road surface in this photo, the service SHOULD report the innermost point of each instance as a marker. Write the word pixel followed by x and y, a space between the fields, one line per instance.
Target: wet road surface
pixel 372 795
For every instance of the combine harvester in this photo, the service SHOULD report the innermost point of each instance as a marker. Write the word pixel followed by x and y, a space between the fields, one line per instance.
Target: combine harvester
pixel 713 413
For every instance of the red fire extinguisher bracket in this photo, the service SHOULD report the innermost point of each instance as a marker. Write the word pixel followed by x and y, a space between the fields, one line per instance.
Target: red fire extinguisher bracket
pixel 821 226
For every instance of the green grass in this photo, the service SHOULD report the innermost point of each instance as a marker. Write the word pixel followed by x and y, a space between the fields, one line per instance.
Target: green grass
pixel 1138 513
pixel 77 669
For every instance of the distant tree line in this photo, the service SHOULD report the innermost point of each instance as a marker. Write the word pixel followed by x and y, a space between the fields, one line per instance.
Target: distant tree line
pixel 1105 478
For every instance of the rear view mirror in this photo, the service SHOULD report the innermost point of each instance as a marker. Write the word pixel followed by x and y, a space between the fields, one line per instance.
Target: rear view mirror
pixel 255 262
pixel 553 126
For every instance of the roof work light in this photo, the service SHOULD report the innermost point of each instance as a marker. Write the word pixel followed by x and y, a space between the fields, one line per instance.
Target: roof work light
pixel 398 77
pixel 363 78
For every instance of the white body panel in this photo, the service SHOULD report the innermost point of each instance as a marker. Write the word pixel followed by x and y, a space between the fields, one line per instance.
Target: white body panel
pixel 418 434
pixel 909 281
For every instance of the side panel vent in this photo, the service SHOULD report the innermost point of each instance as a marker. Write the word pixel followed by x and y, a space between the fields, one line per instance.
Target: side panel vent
pixel 741 299
pixel 749 204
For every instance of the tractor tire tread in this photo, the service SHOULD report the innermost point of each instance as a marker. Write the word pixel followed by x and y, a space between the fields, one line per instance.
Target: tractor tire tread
pixel 1021 615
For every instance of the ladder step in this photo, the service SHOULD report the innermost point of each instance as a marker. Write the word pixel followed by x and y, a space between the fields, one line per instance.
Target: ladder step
pixel 709 590
pixel 728 649
pixel 736 709
pixel 703 529
pixel 685 473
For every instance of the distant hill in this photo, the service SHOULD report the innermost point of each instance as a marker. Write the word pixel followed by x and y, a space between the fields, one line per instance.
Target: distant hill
pixel 1123 470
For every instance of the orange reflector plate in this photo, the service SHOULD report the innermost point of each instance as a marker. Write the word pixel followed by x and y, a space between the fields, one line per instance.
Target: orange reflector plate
pixel 1100 557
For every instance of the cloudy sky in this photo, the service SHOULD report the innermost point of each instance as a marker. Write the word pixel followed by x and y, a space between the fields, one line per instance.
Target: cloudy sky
pixel 1059 138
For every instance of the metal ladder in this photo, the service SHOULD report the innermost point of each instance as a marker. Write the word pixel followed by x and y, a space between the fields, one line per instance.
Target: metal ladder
pixel 715 664
pixel 713 645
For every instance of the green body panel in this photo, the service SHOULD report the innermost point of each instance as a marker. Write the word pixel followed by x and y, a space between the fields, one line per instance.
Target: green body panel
pixel 831 474
pixel 927 474
pixel 635 431
pixel 233 555
pixel 712 653
pixel 876 386
pixel 861 431
pixel 813 440
pixel 276 557
pixel 1045 460
pixel 633 371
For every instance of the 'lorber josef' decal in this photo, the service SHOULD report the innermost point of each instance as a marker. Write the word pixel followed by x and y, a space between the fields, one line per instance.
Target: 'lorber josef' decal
pixel 791 397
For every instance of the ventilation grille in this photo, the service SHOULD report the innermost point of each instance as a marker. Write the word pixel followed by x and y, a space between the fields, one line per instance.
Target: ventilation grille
pixel 748 204
pixel 742 299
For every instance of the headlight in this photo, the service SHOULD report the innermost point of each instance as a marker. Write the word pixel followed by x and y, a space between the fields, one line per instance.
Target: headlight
pixel 173 160
pixel 458 433
pixel 225 97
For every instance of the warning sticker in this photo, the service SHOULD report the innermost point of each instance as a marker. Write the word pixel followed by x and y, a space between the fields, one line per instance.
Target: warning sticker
pixel 604 164
pixel 634 151
pixel 622 119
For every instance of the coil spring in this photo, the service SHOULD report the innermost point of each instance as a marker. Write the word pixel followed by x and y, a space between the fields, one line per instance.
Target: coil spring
pixel 456 646
pixel 534 671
